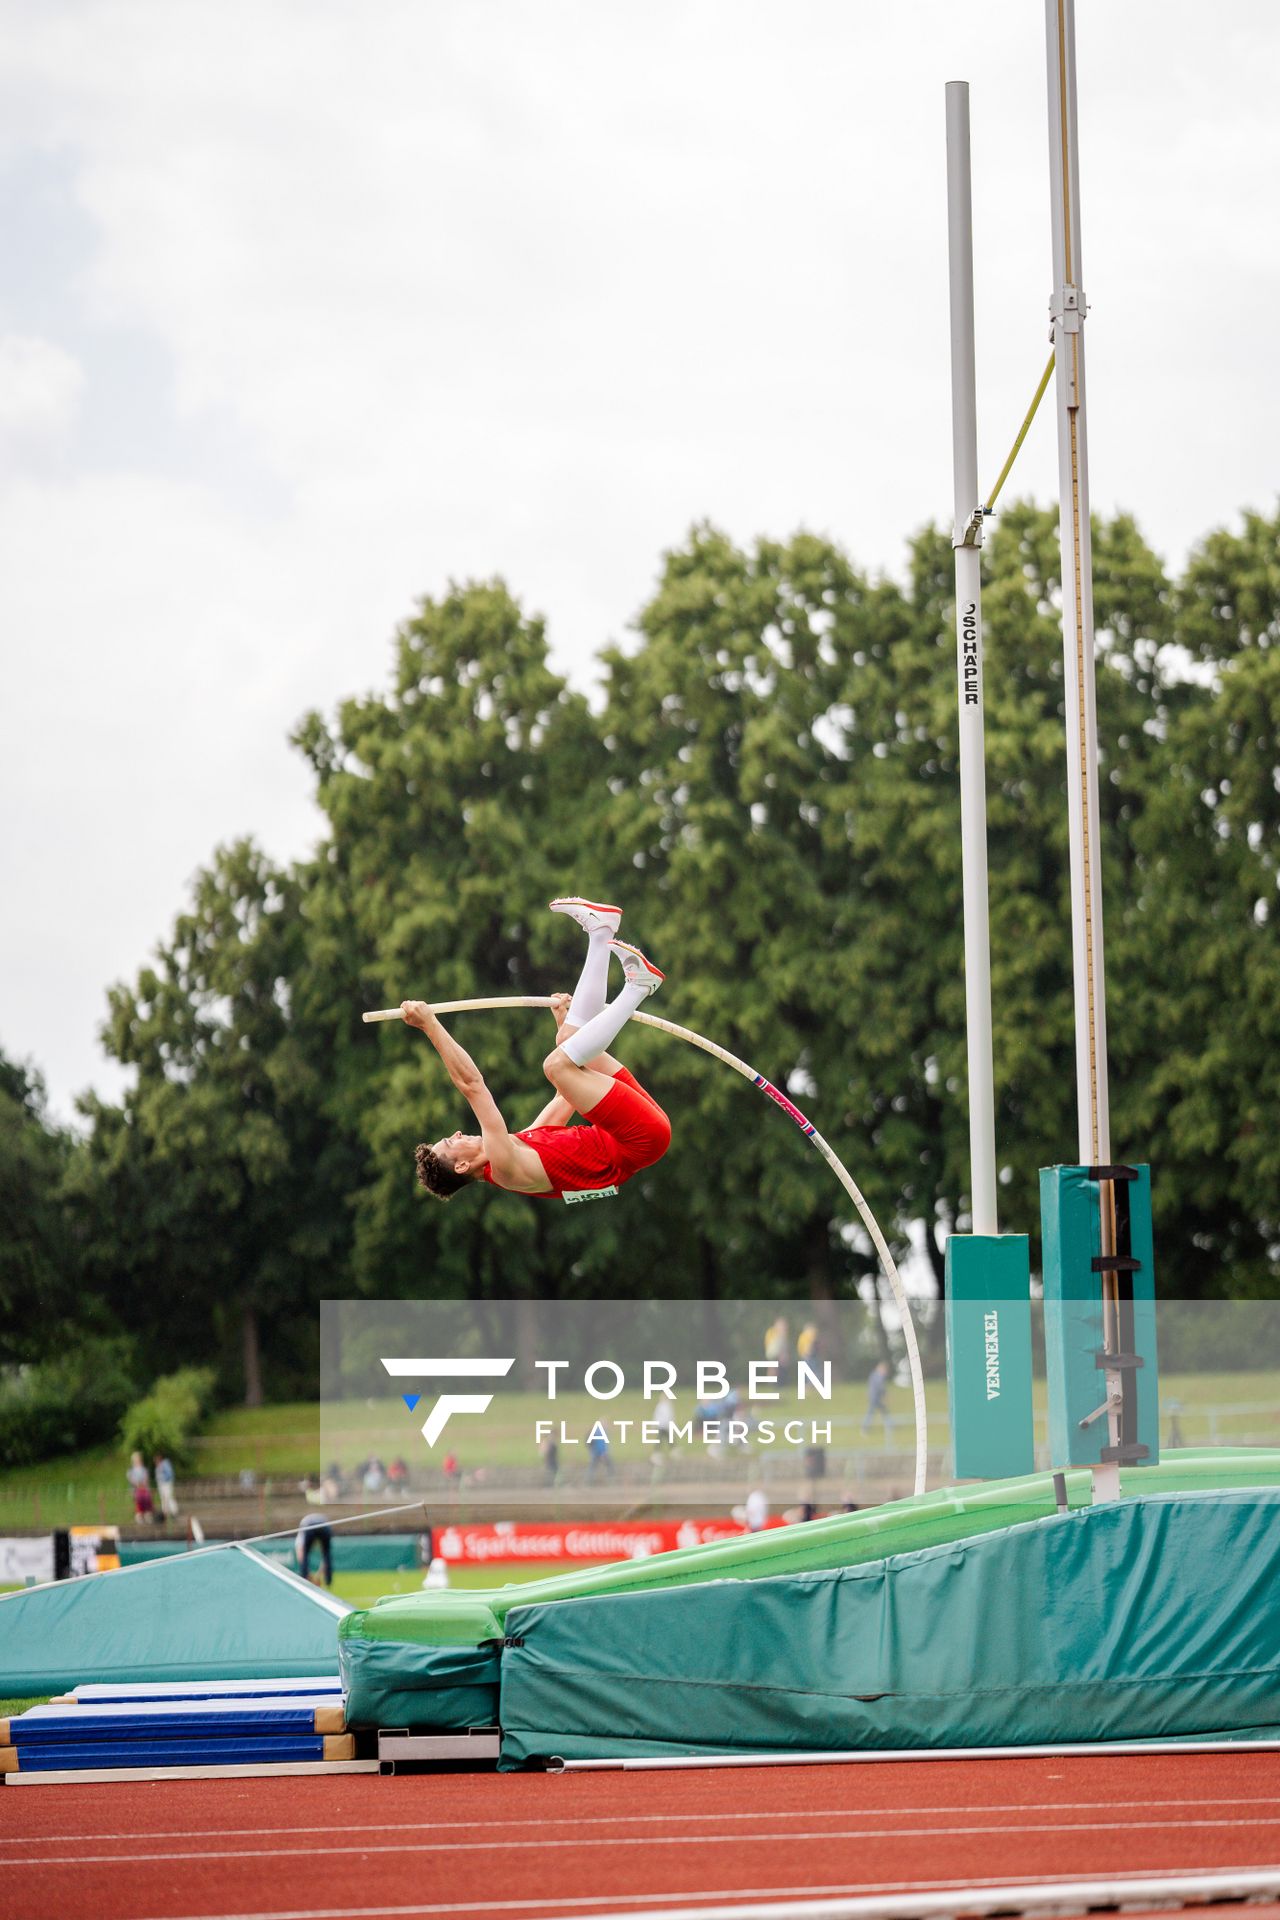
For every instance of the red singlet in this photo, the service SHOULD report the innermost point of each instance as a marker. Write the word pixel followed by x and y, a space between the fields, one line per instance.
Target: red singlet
pixel 624 1133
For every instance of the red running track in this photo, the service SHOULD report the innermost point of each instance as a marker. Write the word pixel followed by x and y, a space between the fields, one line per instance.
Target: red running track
pixel 529 1846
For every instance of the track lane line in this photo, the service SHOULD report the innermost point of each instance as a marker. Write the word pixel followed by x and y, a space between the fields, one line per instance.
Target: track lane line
pixel 214 1854
pixel 666 1819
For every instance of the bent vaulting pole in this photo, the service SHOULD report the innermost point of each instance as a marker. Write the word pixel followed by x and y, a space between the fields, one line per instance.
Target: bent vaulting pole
pixel 967 541
pixel 811 1134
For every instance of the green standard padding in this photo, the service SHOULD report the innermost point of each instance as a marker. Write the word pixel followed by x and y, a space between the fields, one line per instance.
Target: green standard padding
pixel 988 1319
pixel 1071 1223
pixel 1149 1618
pixel 419 1622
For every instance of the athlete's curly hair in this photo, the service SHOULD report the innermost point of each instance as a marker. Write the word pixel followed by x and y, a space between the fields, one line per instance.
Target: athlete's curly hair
pixel 437 1176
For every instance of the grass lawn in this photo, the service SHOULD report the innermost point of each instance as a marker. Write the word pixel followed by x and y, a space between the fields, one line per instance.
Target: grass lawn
pixel 75 1490
pixel 83 1488
pixel 362 1589
pixel 281 1440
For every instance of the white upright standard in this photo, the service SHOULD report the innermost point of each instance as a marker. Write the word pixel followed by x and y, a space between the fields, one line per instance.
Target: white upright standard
pixel 967 541
pixel 1067 310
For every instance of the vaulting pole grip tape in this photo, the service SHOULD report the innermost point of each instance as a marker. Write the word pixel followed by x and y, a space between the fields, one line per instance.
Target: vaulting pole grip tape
pixel 780 1100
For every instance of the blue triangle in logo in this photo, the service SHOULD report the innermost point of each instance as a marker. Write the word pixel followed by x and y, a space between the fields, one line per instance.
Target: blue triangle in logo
pixel 411 1400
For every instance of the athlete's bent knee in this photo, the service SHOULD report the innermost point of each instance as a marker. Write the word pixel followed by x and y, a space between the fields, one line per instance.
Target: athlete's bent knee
pixel 555 1063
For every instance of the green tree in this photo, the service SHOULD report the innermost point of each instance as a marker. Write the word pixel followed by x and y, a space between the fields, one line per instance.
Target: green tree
pixel 39 1293
pixel 459 803
pixel 1207 980
pixel 213 1197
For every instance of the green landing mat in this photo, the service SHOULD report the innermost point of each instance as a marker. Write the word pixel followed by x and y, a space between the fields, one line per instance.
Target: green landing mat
pixel 377 1676
pixel 223 1613
pixel 1147 1618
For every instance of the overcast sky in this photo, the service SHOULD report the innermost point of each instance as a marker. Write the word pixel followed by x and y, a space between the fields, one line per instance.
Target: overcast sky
pixel 307 308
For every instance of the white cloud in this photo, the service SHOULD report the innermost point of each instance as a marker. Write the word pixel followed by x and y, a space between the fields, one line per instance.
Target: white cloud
pixel 40 389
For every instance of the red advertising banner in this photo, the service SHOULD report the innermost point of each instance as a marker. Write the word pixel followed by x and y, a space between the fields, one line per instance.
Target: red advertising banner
pixel 514 1540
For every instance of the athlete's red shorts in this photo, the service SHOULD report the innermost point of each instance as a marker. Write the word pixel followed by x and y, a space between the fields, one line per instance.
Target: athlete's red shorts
pixel 633 1119
pixel 624 1132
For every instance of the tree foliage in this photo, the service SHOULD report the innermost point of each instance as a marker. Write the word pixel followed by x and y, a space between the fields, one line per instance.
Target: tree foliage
pixel 37 1254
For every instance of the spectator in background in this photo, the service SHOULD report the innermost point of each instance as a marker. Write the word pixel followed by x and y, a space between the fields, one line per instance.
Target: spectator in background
pixel 742 1411
pixel 331 1484
pixel 398 1472
pixel 315 1532
pixel 757 1510
pixel 878 1398
pixel 550 1451
pixel 375 1477
pixel 452 1469
pixel 664 1419
pixel 809 1345
pixel 777 1345
pixel 165 1487
pixel 598 1457
pixel 140 1480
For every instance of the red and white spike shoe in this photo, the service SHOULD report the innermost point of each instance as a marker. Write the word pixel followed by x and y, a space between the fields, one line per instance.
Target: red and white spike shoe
pixel 589 914
pixel 639 971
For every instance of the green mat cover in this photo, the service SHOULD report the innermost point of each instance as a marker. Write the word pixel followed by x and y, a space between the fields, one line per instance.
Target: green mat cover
pixel 220 1614
pixel 393 1682
pixel 419 1621
pixel 1147 1618
pixel 391 1685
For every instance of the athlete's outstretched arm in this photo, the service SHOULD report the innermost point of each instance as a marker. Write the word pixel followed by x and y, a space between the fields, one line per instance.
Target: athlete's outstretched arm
pixel 458 1064
pixel 513 1165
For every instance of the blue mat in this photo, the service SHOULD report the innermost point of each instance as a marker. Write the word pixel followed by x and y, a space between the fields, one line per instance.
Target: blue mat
pixel 87 1726
pixel 238 1750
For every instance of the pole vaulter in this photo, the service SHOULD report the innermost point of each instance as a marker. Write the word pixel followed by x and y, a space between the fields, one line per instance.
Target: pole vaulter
pixel 626 1130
